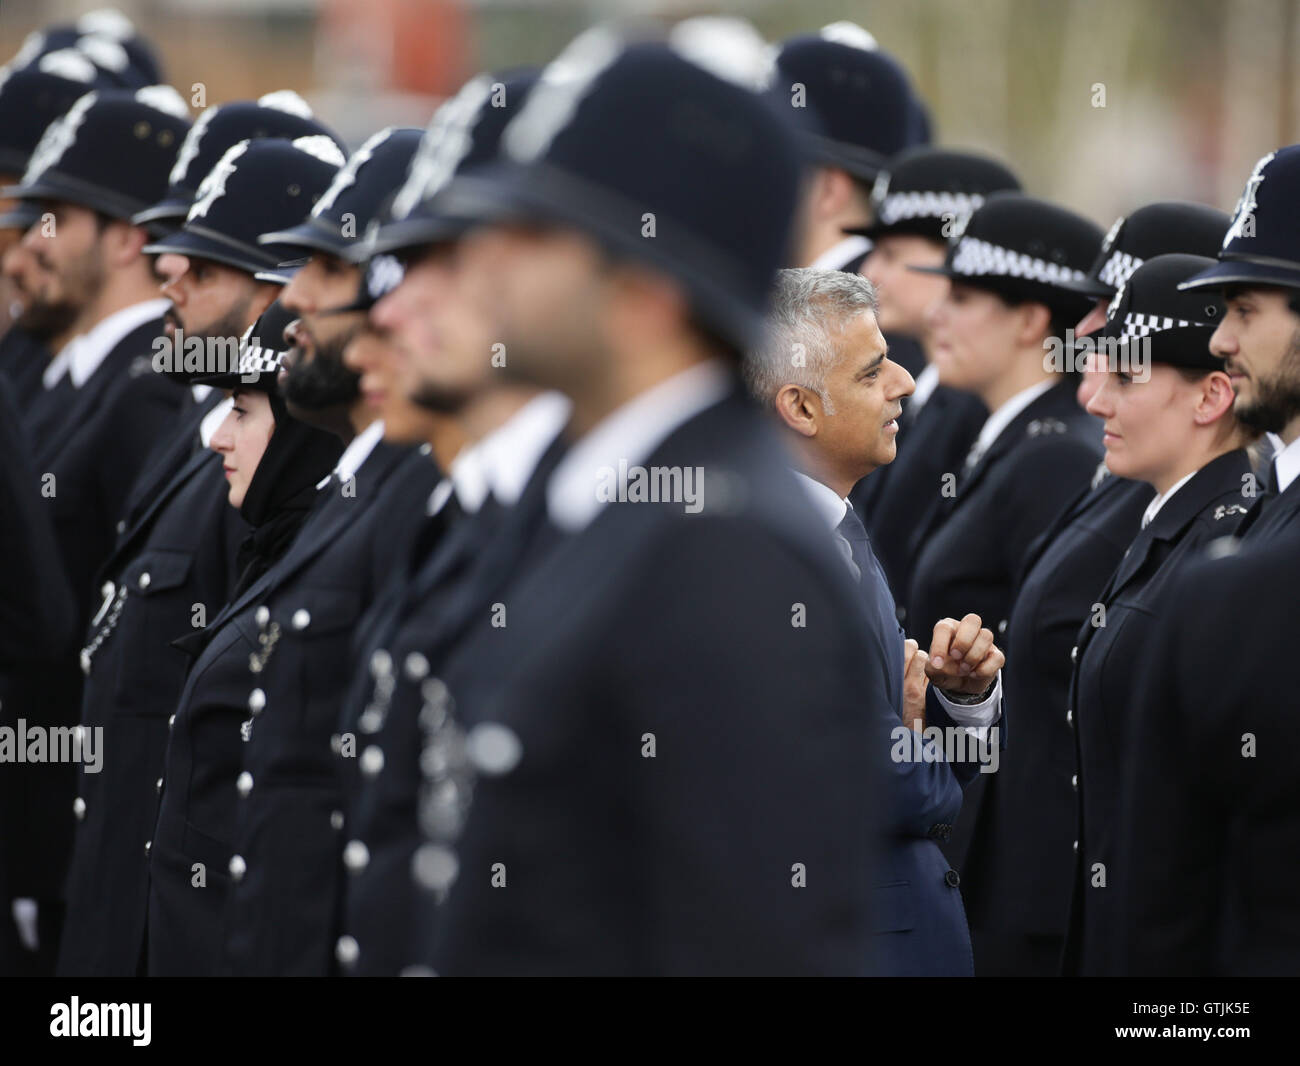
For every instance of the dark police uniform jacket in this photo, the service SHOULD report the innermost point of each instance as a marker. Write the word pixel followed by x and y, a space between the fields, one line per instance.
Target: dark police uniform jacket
pixel 976 544
pixel 1211 856
pixel 744 844
pixel 1020 870
pixel 282 913
pixel 216 710
pixel 1109 663
pixel 92 446
pixel 176 550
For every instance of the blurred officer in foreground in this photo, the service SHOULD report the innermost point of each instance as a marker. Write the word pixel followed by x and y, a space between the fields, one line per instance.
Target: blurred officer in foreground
pixel 1019 883
pixel 571 753
pixel 855 109
pixel 124 58
pixel 841 412
pixel 273 464
pixel 95 417
pixel 992 336
pixel 176 556
pixel 924 197
pixel 282 908
pixel 438 330
pixel 1210 862
pixel 1167 410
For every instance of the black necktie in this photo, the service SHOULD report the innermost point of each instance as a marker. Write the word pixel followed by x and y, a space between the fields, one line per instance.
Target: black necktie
pixel 855 533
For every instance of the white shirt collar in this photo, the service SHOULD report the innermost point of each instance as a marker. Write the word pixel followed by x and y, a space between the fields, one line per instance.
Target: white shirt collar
pixel 830 506
pixel 1006 414
pixel 1153 508
pixel 838 255
pixel 1287 464
pixel 629 435
pixel 510 454
pixel 356 453
pixel 212 421
pixel 86 352
pixel 926 382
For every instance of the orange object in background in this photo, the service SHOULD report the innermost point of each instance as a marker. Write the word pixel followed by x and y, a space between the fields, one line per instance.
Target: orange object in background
pixel 424 44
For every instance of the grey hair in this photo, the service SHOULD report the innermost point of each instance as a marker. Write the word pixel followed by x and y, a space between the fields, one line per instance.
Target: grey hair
pixel 809 309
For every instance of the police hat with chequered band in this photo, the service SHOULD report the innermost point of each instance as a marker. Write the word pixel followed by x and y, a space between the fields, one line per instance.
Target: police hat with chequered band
pixel 110 151
pixel 262 350
pixel 853 104
pixel 341 217
pixel 256 187
pixel 282 114
pixel 660 161
pixel 32 98
pixel 1262 246
pixel 1173 326
pixel 932 192
pixel 1155 229
pixel 1022 247
pixel 463 135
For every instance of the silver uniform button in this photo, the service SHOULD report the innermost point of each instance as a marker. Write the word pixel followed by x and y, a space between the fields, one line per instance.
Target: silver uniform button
pixel 356 856
pixel 336 744
pixel 107 589
pixel 1002 626
pixel 145 580
pixel 157 785
pixel 494 748
pixel 121 525
pixel 1076 845
pixel 336 820
pixel 1069 717
pixel 244 783
pixel 256 701
pixel 171 721
pixel 435 867
pixel 347 951
pixel 147 845
pixel 238 867
pixel 1074 782
pixel 1074 654
pixel 262 615
pixel 417 666
pixel 381 663
pixel 301 618
pixel 372 760
pixel 79 808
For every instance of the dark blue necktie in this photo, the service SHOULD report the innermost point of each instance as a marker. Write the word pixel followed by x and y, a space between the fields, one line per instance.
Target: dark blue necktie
pixel 875 590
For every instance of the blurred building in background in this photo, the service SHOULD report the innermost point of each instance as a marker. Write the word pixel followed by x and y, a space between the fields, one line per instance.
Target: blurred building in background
pixel 1102 104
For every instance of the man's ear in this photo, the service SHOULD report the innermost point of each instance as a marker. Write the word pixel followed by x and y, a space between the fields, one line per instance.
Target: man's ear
pixel 124 242
pixel 799 408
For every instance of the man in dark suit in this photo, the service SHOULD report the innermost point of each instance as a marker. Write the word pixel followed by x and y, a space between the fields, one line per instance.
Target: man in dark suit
pixel 169 574
pixel 924 196
pixel 98 409
pixel 841 412
pixel 1211 848
pixel 992 335
pixel 608 783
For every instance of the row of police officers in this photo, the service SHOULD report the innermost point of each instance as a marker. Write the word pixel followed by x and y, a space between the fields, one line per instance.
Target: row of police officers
pixel 664 517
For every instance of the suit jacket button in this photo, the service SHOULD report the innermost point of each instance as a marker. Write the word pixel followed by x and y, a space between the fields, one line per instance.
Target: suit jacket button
pixel 244 783
pixel 952 879
pixel 238 867
pixel 347 950
pixel 79 808
pixel 1074 654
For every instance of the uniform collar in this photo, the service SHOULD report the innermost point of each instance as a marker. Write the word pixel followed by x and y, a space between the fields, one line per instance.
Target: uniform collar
pixel 356 453
pixel 1006 414
pixel 1287 464
pixel 1153 508
pixel 86 352
pixel 829 505
pixel 926 382
pixel 511 453
pixel 841 253
pixel 629 435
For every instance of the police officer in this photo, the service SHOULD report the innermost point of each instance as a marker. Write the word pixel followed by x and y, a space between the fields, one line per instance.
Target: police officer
pixel 922 198
pixel 1168 410
pixel 97 412
pixel 286 838
pixel 174 562
pixel 855 110
pixel 670 640
pixel 1018 890
pixel 1213 771
pixel 992 335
